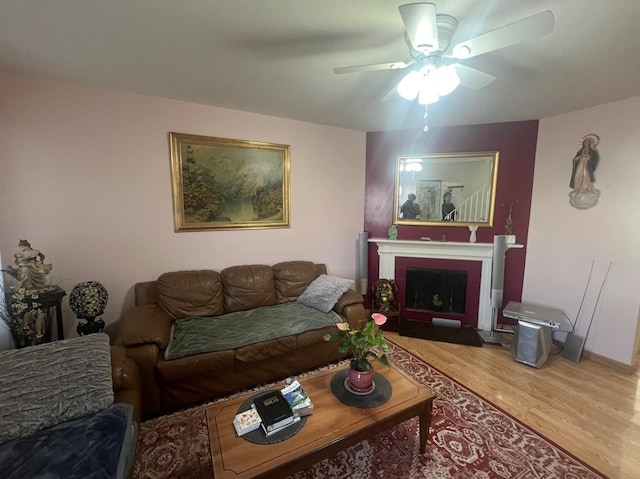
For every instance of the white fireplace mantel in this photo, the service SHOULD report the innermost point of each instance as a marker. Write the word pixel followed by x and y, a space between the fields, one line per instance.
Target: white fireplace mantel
pixel 388 250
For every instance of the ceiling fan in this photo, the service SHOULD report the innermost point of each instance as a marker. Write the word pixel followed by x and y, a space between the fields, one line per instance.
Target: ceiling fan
pixel 435 64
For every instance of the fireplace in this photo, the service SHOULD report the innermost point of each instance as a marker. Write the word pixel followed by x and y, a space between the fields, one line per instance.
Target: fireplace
pixel 438 276
pixel 439 290
pixel 395 256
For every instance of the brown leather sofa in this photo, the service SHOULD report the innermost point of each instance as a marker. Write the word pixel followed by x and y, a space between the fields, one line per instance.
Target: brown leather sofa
pixel 167 385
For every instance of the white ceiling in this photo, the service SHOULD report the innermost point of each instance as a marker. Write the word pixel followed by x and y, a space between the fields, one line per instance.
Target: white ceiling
pixel 277 56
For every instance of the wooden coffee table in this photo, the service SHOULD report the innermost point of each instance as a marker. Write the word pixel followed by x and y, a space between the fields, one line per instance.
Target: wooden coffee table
pixel 332 427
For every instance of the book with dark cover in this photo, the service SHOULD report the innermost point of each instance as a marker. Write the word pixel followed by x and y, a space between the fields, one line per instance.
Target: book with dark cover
pixel 274 410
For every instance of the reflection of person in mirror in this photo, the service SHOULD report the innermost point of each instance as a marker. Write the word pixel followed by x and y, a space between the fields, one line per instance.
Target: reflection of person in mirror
pixel 448 208
pixel 410 209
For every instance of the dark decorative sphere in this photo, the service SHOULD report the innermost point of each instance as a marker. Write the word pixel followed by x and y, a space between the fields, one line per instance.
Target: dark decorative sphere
pixel 88 300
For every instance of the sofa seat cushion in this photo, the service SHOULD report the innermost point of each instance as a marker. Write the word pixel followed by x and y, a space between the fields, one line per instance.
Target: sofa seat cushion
pixel 308 338
pixel 266 349
pixel 100 445
pixel 176 370
pixel 234 330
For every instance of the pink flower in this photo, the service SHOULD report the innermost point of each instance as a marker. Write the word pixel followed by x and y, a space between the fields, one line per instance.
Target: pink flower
pixel 343 326
pixel 379 318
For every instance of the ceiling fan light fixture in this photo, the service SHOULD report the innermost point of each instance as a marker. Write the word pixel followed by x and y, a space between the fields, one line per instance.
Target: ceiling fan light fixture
pixel 428 94
pixel 420 22
pixel 445 79
pixel 409 86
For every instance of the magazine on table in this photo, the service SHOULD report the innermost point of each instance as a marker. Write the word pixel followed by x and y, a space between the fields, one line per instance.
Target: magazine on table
pixel 298 398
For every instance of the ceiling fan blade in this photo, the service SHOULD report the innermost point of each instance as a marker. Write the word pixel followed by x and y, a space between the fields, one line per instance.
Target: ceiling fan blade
pixel 392 94
pixel 373 67
pixel 516 32
pixel 421 25
pixel 471 78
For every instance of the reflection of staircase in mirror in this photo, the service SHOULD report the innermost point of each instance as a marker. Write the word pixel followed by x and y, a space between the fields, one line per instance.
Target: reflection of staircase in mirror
pixel 474 209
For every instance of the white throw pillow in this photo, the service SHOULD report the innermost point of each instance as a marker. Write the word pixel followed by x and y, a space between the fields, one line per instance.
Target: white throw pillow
pixel 324 292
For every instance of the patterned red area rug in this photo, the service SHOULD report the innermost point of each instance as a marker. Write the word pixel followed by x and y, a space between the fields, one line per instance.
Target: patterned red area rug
pixel 469 439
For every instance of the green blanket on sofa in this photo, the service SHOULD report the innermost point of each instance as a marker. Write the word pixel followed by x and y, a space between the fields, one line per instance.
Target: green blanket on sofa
pixel 233 330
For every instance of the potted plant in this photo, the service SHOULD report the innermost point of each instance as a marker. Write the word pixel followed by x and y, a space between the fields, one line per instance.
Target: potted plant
pixel 366 345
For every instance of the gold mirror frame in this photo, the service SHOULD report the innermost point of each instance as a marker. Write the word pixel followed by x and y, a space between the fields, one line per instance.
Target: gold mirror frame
pixel 470 177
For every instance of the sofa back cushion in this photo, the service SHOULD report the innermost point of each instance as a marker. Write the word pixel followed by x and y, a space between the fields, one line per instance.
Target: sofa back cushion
pixel 191 293
pixel 247 287
pixel 293 277
pixel 44 385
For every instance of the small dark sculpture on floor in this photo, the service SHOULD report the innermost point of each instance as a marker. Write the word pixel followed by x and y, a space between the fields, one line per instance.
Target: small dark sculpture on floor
pixel 384 296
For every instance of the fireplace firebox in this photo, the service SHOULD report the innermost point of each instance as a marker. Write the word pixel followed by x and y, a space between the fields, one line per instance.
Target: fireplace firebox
pixel 436 290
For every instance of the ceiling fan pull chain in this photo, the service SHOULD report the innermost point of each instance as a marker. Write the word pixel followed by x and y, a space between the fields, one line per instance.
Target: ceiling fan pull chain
pixel 426 118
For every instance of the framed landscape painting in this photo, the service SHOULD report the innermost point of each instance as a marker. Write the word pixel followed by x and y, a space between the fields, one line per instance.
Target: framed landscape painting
pixel 221 183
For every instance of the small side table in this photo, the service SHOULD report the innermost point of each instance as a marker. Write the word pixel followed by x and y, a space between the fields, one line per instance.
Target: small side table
pixel 52 299
pixel 46 301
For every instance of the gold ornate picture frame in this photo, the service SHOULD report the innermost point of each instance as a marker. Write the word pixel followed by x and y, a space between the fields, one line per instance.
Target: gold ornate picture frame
pixel 221 183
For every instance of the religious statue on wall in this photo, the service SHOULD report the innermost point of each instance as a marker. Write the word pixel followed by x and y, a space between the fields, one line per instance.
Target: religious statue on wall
pixel 583 194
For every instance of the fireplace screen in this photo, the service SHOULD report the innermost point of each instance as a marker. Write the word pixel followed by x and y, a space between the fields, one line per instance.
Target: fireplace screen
pixel 436 290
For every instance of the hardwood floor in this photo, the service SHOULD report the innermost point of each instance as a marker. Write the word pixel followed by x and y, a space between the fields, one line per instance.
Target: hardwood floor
pixel 588 409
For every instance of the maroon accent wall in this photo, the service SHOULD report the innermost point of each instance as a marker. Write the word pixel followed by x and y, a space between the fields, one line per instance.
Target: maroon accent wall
pixel 516 143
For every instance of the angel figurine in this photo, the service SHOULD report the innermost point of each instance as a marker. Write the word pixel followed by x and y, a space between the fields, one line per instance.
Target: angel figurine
pixel 472 236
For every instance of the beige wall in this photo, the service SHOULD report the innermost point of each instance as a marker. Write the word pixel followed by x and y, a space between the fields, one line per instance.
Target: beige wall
pixel 85 177
pixel 564 242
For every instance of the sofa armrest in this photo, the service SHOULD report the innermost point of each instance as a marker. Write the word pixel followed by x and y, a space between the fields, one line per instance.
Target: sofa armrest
pixel 145 331
pixel 126 380
pixel 351 307
pixel 147 323
pixel 347 299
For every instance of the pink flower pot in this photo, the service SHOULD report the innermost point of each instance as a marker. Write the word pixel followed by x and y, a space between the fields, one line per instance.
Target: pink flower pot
pixel 360 381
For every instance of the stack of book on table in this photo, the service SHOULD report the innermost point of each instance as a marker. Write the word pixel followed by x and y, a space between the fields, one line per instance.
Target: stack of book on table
pixel 247 421
pixel 275 410
pixel 298 398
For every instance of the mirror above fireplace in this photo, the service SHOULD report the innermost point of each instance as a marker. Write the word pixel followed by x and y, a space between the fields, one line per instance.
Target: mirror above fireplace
pixel 446 189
